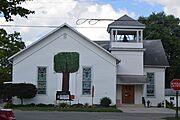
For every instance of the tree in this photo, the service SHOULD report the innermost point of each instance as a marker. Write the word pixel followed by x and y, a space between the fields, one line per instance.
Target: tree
pixel 7 91
pixel 9 45
pixel 65 63
pixel 24 91
pixel 166 28
pixel 11 8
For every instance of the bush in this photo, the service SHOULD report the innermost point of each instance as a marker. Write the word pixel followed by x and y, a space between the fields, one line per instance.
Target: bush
pixel 63 105
pixel 79 105
pixel 86 105
pixel 105 101
pixel 169 104
pixel 41 105
pixel 8 105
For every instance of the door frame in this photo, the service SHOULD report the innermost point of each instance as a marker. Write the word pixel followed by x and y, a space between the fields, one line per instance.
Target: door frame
pixel 132 93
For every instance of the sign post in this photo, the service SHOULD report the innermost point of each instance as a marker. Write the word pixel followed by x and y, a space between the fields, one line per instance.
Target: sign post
pixel 176 103
pixel 92 94
pixel 175 85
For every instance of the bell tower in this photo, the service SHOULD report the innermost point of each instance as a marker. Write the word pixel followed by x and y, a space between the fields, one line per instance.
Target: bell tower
pixel 126 43
pixel 126 32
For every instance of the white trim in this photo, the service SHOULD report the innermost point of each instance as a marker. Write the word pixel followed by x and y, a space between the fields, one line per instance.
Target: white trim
pixel 128 27
pixel 128 49
pixel 121 29
pixel 131 83
pixel 156 66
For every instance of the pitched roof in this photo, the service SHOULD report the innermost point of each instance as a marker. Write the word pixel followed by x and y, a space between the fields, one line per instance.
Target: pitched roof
pixel 154 54
pixel 58 28
pixel 125 21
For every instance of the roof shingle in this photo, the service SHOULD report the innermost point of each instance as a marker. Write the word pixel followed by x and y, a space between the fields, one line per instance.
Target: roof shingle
pixel 154 54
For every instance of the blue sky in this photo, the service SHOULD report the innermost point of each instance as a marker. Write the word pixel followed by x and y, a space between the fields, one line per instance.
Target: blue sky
pixel 57 12
pixel 140 8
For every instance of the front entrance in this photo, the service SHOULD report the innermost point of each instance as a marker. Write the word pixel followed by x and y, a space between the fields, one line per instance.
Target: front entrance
pixel 128 94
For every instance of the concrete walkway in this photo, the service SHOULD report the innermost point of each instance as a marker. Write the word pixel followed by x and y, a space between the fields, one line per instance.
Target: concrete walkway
pixel 139 109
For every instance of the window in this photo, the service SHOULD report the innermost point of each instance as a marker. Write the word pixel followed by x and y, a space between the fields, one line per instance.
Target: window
pixel 41 82
pixel 87 79
pixel 150 85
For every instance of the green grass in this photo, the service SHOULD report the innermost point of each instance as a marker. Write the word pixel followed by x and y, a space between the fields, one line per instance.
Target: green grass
pixel 76 109
pixel 172 118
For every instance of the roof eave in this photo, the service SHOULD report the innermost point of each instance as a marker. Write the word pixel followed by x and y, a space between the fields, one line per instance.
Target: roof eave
pixel 157 66
pixel 127 27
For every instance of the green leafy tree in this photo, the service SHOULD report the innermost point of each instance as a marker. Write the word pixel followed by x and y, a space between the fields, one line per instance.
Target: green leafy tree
pixel 9 8
pixel 66 63
pixel 9 45
pixel 7 91
pixel 166 28
pixel 24 91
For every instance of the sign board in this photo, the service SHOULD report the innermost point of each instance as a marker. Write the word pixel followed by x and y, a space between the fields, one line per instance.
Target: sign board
pixel 175 84
pixel 60 95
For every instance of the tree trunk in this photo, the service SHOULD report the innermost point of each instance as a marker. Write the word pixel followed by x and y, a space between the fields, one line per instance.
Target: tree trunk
pixel 21 101
pixel 65 82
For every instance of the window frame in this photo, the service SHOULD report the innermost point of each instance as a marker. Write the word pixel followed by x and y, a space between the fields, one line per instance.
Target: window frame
pixel 41 80
pixel 82 92
pixel 149 84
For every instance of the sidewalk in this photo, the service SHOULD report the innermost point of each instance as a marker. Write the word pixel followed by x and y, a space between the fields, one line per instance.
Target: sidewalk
pixel 140 109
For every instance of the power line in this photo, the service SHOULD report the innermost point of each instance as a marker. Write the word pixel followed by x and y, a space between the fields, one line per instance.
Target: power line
pixel 82 21
pixel 94 21
pixel 40 26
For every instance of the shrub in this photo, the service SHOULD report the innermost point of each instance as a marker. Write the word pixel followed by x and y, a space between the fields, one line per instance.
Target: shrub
pixel 169 104
pixel 105 101
pixel 21 90
pixel 8 105
pixel 86 105
pixel 63 105
pixel 41 105
pixel 79 105
pixel 25 91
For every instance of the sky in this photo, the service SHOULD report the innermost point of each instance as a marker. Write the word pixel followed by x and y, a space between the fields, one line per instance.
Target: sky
pixel 56 12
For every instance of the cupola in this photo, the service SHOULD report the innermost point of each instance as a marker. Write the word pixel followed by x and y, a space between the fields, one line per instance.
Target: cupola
pixel 126 32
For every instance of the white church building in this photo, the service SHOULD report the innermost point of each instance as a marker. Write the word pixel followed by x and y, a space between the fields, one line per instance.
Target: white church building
pixel 125 68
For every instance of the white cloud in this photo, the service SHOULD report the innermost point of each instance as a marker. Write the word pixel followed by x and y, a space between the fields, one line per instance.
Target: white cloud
pixel 170 6
pixel 57 12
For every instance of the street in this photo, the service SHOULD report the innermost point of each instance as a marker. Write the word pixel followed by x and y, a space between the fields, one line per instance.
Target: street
pixel 39 115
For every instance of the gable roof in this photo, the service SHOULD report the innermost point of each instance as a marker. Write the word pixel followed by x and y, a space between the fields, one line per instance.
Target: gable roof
pixel 125 21
pixel 154 54
pixel 58 28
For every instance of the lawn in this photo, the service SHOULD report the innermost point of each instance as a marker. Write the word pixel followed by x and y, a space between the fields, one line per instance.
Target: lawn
pixel 172 118
pixel 66 109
